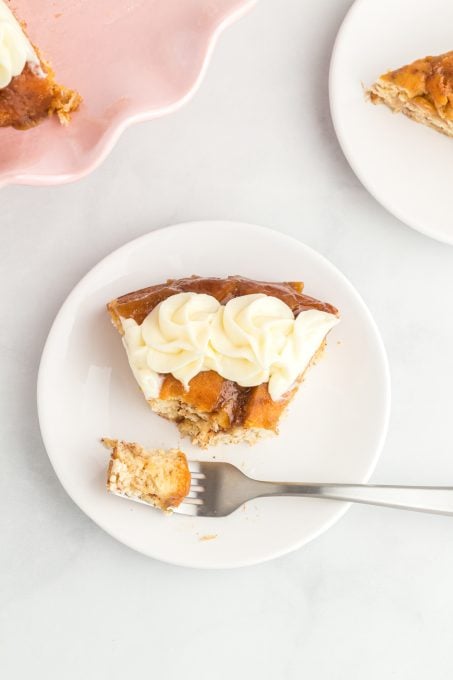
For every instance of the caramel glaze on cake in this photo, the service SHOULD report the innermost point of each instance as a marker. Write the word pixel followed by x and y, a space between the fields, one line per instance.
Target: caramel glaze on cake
pixel 28 99
pixel 215 410
pixel 139 304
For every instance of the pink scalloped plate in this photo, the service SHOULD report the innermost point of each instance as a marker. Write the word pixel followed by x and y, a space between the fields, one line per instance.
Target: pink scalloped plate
pixel 131 60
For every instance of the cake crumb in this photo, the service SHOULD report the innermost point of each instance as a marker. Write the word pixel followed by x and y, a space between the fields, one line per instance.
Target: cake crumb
pixel 208 537
pixel 158 477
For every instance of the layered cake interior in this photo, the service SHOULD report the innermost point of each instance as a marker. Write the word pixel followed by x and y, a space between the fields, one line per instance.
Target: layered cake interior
pixel 160 478
pixel 422 90
pixel 222 358
pixel 28 90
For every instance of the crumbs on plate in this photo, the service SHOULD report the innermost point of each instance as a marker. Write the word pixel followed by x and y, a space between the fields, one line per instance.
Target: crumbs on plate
pixel 208 537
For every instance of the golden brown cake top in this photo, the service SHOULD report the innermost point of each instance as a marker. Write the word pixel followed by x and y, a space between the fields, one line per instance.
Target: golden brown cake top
pixel 139 304
pixel 429 80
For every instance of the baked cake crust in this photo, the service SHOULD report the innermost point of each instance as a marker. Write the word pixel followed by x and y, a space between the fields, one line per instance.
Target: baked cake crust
pixel 422 90
pixel 214 410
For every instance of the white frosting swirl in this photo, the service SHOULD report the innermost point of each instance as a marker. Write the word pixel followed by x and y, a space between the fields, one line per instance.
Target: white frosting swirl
pixel 309 330
pixel 172 339
pixel 15 48
pixel 248 336
pixel 253 339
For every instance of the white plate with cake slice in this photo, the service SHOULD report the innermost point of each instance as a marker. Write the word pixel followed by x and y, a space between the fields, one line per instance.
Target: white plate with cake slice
pixel 333 429
pixel 406 166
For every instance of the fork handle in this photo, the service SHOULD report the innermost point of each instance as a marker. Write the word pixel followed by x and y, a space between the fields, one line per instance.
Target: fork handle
pixel 433 499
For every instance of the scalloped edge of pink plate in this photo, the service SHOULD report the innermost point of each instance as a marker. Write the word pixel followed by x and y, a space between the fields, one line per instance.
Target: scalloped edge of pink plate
pixel 112 133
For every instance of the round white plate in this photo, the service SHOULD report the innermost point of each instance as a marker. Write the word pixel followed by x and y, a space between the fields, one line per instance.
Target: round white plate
pixel 406 166
pixel 334 430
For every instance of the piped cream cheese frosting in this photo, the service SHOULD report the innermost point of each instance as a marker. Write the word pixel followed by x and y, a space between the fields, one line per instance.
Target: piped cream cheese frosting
pixel 15 49
pixel 251 340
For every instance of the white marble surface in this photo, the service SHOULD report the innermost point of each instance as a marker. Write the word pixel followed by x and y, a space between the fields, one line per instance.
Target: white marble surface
pixel 372 597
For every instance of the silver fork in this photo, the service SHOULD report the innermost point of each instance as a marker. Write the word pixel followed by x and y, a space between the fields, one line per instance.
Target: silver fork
pixel 218 489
